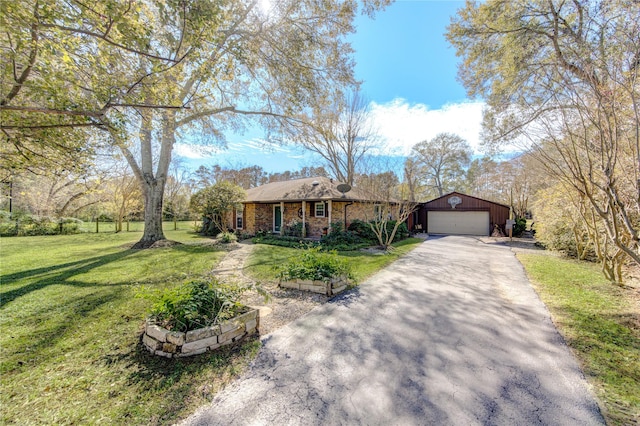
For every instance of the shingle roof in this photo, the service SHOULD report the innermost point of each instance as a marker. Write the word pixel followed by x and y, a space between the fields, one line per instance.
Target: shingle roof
pixel 307 189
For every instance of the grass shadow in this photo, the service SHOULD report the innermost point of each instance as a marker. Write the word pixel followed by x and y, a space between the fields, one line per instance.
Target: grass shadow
pixel 173 378
pixel 68 271
pixel 43 340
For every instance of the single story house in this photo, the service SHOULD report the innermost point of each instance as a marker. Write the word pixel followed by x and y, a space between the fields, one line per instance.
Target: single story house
pixel 315 203
pixel 459 214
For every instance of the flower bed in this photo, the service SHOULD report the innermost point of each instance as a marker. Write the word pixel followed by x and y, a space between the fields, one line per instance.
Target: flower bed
pixel 170 344
pixel 329 287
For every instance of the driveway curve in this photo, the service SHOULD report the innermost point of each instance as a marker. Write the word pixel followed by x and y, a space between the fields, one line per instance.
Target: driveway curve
pixel 450 334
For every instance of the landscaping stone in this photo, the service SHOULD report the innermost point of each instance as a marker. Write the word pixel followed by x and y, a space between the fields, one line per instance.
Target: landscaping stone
pixel 202 333
pixel 251 326
pixel 229 325
pixel 157 332
pixel 199 344
pixel 229 335
pixel 169 344
pixel 151 343
pixel 176 337
pixel 330 287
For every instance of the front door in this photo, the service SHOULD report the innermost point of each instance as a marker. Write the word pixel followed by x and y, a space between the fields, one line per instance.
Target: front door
pixel 277 219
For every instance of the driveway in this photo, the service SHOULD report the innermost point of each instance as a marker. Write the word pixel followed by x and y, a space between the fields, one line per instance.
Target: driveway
pixel 450 334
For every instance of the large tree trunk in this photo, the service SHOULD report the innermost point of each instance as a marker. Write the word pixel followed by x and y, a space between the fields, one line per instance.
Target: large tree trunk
pixel 152 184
pixel 153 190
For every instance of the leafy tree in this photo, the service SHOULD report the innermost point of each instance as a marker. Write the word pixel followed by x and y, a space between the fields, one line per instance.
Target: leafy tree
pixel 53 193
pixel 247 177
pixel 121 195
pixel 150 73
pixel 215 203
pixel 65 66
pixel 245 63
pixel 562 78
pixel 442 162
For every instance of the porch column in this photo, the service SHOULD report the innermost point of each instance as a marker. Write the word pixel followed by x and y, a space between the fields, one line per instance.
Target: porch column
pixel 329 207
pixel 304 219
pixel 281 217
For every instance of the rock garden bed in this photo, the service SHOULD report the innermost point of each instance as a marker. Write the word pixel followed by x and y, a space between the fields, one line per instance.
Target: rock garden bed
pixel 327 287
pixel 163 342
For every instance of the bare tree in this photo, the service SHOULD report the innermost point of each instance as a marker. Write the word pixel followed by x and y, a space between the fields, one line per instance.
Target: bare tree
pixel 389 206
pixel 571 94
pixel 341 135
pixel 178 191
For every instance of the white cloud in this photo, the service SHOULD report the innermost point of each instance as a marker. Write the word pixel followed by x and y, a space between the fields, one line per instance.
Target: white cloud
pixel 402 125
pixel 195 152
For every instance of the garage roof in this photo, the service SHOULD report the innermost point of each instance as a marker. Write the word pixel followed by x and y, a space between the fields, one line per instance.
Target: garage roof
pixel 460 194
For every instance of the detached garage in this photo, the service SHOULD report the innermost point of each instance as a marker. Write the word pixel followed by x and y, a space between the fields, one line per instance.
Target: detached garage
pixel 461 214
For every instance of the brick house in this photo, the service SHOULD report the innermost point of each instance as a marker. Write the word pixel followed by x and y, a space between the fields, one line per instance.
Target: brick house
pixel 315 203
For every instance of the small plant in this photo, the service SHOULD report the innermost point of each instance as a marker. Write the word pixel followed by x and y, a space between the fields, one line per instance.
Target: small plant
pixel 520 226
pixel 227 237
pixel 313 264
pixel 196 304
pixel 284 241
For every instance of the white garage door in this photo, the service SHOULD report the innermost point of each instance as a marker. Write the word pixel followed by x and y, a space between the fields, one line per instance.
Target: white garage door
pixel 458 223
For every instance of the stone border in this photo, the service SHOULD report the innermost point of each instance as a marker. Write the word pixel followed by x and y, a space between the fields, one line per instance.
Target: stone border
pixel 170 344
pixel 329 287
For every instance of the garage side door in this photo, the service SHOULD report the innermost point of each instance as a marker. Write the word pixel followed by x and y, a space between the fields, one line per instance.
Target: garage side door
pixel 458 223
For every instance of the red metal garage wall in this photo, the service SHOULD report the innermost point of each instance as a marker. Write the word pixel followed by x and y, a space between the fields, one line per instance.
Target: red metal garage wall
pixel 498 213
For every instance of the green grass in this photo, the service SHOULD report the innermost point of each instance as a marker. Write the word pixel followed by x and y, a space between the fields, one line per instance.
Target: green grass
pixel 70 321
pixel 265 257
pixel 600 323
pixel 135 226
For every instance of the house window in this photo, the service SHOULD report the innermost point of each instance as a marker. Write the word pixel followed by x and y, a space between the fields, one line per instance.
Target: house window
pixel 377 212
pixel 239 219
pixel 320 210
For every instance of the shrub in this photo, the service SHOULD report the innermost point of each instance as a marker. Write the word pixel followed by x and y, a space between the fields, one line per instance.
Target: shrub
pixel 25 224
pixel 227 237
pixel 343 240
pixel 520 226
pixel 197 304
pixel 363 229
pixel 283 241
pixel 314 264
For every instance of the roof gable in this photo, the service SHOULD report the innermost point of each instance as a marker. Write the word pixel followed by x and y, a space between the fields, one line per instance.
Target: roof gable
pixel 460 194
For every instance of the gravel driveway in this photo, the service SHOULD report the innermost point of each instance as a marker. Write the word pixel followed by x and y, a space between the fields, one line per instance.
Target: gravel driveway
pixel 450 334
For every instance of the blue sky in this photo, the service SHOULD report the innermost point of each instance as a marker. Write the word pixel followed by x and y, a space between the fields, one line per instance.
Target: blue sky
pixel 402 53
pixel 408 72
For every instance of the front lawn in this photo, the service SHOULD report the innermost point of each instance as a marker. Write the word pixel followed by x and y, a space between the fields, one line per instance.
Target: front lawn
pixel 71 320
pixel 264 257
pixel 601 324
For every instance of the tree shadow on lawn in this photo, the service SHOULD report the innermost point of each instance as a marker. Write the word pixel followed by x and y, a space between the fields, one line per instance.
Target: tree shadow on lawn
pixel 44 339
pixel 51 276
pixel 61 274
pixel 180 384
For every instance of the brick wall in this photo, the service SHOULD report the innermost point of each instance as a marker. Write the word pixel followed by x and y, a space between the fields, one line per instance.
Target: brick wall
pixel 259 217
